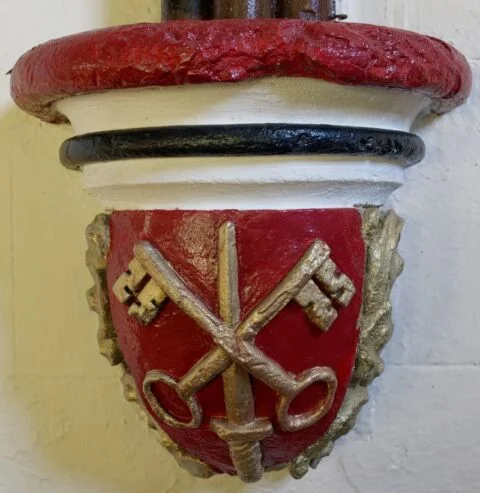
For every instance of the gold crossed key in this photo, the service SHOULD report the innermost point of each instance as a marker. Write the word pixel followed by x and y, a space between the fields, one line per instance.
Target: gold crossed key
pixel 151 280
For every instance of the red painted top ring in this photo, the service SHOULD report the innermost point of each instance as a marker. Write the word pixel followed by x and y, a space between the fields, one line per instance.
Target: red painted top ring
pixel 195 52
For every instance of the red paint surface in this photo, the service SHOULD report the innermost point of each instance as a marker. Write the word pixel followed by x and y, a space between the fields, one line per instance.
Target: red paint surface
pixel 193 52
pixel 269 244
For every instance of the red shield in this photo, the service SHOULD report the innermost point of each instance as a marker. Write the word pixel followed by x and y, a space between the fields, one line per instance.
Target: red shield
pixel 269 244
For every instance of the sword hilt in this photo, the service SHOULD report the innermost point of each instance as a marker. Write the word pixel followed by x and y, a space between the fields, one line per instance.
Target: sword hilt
pixel 244 443
pixel 247 459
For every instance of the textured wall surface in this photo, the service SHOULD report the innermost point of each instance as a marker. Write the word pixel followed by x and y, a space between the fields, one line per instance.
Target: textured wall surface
pixel 64 425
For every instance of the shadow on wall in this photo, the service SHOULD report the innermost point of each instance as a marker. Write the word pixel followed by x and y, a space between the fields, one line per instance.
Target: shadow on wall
pixel 72 429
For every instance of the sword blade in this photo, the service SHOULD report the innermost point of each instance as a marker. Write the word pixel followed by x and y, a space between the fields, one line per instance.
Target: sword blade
pixel 238 391
pixel 239 400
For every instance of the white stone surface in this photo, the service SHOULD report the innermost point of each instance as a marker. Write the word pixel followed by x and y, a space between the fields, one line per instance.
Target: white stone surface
pixel 64 425
pixel 262 182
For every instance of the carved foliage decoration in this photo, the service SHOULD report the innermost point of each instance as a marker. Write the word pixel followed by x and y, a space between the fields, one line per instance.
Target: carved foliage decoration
pixel 98 241
pixel 382 234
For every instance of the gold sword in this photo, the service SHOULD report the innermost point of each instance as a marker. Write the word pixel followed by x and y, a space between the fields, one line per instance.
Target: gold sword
pixel 241 429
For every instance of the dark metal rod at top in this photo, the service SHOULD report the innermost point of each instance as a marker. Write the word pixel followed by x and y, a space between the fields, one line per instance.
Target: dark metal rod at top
pixel 248 9
pixel 244 9
pixel 186 9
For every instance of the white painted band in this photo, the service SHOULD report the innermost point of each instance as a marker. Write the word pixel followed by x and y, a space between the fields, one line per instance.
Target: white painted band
pixel 256 182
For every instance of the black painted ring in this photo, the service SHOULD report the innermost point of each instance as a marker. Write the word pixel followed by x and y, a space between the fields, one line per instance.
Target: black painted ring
pixel 241 140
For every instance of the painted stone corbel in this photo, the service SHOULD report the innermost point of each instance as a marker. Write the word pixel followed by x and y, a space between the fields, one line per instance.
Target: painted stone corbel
pixel 243 275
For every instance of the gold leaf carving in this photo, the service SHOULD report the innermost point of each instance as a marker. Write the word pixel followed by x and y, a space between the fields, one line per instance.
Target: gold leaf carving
pixel 381 232
pixel 243 433
pixel 98 240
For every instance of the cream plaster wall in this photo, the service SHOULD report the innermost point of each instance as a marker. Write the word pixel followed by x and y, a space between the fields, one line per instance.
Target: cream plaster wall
pixel 64 425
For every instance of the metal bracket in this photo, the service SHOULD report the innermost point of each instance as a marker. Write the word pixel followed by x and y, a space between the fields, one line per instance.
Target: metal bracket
pixel 315 10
